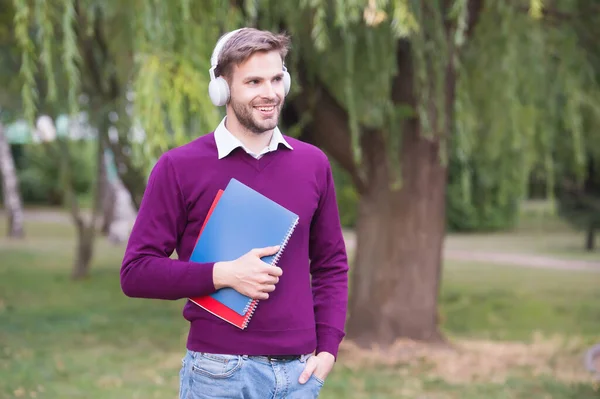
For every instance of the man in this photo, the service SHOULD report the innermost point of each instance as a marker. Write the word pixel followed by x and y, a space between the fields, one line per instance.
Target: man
pixel 291 343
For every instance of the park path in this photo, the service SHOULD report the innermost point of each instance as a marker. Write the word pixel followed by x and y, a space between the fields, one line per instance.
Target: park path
pixel 519 259
pixel 450 253
pixel 504 258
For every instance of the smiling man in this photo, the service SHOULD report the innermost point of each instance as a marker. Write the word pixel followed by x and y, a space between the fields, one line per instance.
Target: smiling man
pixel 291 344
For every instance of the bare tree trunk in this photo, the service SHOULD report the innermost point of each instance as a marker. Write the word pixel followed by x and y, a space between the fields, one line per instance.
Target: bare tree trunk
pixel 84 252
pixel 397 269
pixel 10 189
pixel 124 214
pixel 108 199
pixel 590 239
pixel 87 228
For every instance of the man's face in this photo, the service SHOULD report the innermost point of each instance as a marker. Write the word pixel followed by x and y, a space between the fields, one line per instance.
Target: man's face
pixel 257 91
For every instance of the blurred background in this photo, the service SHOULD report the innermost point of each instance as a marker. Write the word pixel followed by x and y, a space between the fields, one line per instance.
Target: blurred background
pixel 465 141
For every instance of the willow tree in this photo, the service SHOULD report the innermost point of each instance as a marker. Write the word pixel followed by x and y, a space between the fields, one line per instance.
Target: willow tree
pixel 384 87
pixel 65 68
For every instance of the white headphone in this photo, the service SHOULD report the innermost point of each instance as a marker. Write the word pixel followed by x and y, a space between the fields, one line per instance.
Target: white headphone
pixel 218 89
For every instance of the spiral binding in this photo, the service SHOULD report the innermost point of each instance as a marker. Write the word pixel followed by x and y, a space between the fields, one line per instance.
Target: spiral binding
pixel 251 307
pixel 284 243
pixel 249 313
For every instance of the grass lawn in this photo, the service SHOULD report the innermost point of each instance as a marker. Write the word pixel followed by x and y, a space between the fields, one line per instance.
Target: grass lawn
pixel 517 333
pixel 539 232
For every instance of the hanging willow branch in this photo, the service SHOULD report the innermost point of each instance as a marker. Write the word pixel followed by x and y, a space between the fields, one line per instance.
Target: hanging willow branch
pixel 29 92
pixel 520 82
pixel 71 56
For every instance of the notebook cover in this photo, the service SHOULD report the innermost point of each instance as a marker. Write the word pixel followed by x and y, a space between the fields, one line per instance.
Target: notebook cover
pixel 242 219
pixel 209 303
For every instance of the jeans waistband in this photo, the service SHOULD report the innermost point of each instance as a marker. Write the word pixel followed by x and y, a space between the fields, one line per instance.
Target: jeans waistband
pixel 282 358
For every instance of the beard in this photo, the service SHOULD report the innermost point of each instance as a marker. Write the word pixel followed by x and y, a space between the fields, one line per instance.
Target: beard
pixel 251 119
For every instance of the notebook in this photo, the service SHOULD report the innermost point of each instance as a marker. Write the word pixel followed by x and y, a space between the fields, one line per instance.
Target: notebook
pixel 240 220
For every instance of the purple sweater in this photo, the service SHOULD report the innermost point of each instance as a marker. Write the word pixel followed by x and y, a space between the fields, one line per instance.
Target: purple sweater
pixel 301 315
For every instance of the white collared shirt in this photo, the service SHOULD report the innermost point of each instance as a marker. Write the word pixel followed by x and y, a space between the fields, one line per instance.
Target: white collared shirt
pixel 227 142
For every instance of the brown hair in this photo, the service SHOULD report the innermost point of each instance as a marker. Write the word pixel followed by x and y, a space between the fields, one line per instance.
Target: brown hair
pixel 246 42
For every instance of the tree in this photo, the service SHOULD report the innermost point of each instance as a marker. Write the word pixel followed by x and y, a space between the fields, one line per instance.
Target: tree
pixel 94 77
pixel 383 87
pixel 578 190
pixel 10 189
pixel 388 87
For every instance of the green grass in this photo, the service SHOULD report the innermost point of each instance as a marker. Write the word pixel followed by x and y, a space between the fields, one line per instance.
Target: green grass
pixel 511 302
pixel 540 232
pixel 64 339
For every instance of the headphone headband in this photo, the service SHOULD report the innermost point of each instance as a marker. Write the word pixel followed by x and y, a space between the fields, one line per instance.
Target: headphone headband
pixel 214 59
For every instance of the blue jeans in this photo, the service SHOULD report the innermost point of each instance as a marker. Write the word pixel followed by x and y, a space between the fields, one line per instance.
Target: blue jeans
pixel 208 376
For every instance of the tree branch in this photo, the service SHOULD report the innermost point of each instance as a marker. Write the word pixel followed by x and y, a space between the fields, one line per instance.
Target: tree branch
pixel 402 84
pixel 329 128
pixel 474 9
pixel 100 37
pixel 591 8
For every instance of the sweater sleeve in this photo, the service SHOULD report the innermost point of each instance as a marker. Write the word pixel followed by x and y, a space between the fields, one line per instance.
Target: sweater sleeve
pixel 329 268
pixel 147 270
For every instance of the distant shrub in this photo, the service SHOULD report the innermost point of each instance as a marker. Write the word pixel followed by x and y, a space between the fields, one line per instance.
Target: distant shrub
pixel 39 175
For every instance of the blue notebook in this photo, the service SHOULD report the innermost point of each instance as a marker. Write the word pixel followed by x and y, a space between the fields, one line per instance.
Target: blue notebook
pixel 242 219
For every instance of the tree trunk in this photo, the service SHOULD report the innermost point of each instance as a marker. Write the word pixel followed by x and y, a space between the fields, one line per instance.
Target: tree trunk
pixel 124 215
pixel 85 226
pixel 86 236
pixel 590 240
pixel 108 198
pixel 84 252
pixel 108 212
pixel 396 272
pixel 10 189
pixel 397 268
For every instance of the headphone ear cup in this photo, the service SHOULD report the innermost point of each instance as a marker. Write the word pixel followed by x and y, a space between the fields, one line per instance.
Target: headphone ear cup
pixel 287 82
pixel 218 90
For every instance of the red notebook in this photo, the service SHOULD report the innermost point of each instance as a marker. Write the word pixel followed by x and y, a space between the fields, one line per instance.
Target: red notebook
pixel 212 305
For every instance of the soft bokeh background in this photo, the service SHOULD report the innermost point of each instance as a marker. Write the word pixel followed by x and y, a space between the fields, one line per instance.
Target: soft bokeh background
pixel 465 143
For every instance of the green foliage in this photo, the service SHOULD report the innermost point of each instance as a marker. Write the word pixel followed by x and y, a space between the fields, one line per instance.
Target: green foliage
pixel 480 195
pixel 521 97
pixel 526 104
pixel 347 197
pixel 525 86
pixel 171 78
pixel 578 189
pixel 70 56
pixel 40 176
pixel 29 92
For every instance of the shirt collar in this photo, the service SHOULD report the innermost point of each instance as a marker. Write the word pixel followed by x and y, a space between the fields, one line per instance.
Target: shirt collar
pixel 227 142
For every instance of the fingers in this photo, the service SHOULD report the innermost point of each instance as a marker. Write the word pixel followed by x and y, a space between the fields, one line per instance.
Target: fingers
pixel 275 271
pixel 267 288
pixel 309 369
pixel 267 251
pixel 261 296
pixel 268 279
